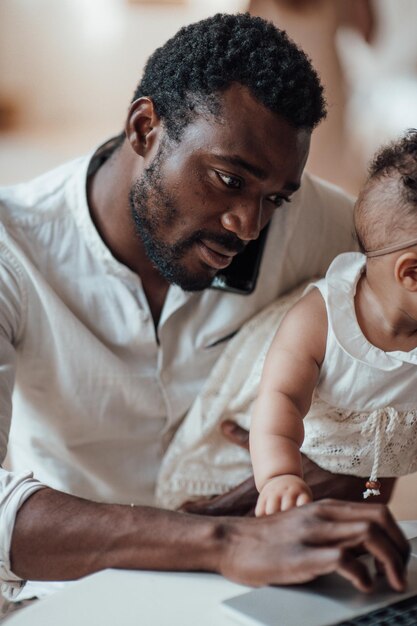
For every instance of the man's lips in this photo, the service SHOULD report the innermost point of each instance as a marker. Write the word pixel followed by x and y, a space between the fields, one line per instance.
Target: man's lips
pixel 214 258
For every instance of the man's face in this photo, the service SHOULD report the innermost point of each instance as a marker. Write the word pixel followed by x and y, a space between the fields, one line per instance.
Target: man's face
pixel 202 199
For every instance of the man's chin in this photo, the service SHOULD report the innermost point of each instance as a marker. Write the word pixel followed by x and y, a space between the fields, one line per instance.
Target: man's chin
pixel 194 284
pixel 187 276
pixel 191 281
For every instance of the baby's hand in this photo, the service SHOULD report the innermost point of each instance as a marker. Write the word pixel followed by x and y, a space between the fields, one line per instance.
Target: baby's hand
pixel 282 493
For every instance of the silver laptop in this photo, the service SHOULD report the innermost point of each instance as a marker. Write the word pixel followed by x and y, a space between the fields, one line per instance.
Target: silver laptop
pixel 328 601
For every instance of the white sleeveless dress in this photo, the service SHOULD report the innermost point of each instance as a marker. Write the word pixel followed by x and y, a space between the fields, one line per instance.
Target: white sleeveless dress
pixel 363 419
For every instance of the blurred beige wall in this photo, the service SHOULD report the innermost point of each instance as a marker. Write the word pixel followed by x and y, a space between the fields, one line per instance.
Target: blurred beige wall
pixel 79 60
pixel 69 69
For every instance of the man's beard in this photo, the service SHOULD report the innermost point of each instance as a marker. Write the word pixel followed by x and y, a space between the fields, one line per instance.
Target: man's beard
pixel 153 208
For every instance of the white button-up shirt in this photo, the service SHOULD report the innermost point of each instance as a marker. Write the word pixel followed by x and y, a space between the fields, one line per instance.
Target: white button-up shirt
pixel 89 396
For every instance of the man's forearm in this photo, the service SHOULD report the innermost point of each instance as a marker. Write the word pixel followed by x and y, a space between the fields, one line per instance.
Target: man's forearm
pixel 61 537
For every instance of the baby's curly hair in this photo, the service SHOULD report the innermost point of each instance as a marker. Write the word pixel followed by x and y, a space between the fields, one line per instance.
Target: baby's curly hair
pixel 399 157
pixel 386 210
pixel 203 59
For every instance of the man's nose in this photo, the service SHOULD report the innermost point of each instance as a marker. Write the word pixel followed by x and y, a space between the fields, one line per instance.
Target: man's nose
pixel 243 220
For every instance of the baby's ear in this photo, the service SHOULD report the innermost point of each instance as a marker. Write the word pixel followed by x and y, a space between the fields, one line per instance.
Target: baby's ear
pixel 406 271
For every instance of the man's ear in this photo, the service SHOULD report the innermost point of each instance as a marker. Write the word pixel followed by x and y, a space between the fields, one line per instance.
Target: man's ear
pixel 405 271
pixel 142 126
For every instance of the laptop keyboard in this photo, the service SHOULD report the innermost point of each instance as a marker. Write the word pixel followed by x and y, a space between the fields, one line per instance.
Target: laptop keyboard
pixel 403 613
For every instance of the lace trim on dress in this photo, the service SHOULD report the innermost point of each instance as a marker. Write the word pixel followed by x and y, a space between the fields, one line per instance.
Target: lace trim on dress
pixel 375 443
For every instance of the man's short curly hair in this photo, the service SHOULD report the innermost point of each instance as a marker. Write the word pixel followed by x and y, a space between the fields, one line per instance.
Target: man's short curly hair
pixel 203 59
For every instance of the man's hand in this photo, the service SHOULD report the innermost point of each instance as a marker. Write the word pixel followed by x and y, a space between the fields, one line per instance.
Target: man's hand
pixel 319 538
pixel 282 493
pixel 306 542
pixel 242 499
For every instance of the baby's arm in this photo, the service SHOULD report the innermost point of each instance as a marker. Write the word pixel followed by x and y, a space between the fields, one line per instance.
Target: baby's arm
pixel 288 380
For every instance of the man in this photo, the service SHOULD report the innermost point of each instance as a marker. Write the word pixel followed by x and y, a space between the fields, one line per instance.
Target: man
pixel 109 326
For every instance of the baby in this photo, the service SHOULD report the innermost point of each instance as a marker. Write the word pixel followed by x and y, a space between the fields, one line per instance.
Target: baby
pixel 345 356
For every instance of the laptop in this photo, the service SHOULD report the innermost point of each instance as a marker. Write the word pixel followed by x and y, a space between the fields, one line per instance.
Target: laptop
pixel 329 601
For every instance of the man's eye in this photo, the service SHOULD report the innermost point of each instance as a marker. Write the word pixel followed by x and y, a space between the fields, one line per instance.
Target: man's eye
pixel 278 201
pixel 233 182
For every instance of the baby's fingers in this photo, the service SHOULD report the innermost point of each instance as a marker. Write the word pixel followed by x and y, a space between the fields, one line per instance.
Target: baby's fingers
pixel 273 504
pixel 303 498
pixel 289 500
pixel 267 505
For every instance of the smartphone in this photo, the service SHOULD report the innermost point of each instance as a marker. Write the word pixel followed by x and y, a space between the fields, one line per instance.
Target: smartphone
pixel 242 274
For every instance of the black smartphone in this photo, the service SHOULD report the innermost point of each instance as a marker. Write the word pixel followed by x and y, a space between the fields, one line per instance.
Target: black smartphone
pixel 241 275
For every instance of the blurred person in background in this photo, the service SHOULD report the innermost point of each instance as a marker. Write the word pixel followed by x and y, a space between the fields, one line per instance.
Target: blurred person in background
pixel 366 54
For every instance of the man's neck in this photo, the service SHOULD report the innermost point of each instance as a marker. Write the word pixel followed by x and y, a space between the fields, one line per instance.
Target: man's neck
pixel 108 200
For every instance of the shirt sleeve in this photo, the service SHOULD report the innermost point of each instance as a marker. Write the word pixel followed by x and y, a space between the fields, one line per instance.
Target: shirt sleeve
pixel 15 489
